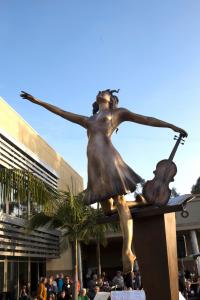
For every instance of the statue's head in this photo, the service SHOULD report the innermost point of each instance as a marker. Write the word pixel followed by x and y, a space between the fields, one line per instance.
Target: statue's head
pixel 106 96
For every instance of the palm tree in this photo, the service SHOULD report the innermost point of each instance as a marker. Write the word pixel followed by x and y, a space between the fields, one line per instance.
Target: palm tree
pixel 61 210
pixel 77 222
pixel 99 230
pixel 196 187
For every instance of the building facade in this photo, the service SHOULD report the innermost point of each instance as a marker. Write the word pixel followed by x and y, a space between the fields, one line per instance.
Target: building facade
pixel 188 231
pixel 26 256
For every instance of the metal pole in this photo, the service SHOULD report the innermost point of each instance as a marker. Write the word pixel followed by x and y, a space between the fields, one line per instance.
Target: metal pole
pixel 183 279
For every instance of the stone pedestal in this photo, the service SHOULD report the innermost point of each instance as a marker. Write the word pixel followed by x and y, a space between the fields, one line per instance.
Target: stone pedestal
pixel 156 252
pixel 154 240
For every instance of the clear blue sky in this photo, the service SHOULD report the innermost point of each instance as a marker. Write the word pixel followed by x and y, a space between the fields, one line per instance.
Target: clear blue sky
pixel 65 51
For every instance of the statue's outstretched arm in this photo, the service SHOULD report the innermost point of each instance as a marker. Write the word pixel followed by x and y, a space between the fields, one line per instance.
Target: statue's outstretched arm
pixel 126 115
pixel 78 119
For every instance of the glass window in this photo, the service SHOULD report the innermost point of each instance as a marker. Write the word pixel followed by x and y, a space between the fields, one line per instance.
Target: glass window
pixel 42 269
pixel 2 203
pixel 23 273
pixel 34 277
pixel 1 276
pixel 12 279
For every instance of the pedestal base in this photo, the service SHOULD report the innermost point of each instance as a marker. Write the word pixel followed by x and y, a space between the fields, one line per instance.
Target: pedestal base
pixel 155 246
pixel 156 252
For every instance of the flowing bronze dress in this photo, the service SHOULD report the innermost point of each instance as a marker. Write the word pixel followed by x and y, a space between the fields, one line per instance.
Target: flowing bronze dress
pixel 108 174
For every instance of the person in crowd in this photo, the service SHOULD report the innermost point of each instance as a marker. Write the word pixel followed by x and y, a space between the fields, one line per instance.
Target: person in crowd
pixel 57 277
pixel 55 286
pixel 100 284
pixel 92 282
pixel 91 285
pixel 96 291
pixel 83 295
pixel 78 284
pixel 42 291
pixel 60 282
pixel 61 296
pixel 23 293
pixel 188 274
pixel 106 280
pixel 88 277
pixel 137 282
pixel 28 288
pixel 103 285
pixel 118 281
pixel 181 282
pixel 12 293
pixel 104 277
pixel 67 287
pixel 50 288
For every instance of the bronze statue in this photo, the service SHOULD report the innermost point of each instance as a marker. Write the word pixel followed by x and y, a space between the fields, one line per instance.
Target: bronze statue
pixel 109 177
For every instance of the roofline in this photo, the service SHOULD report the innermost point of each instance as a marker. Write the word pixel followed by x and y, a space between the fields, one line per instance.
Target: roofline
pixel 28 151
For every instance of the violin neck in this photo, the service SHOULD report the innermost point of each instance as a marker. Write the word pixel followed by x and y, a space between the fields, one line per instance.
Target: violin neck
pixel 175 148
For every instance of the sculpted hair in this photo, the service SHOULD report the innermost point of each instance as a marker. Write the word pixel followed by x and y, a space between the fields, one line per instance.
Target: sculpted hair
pixel 114 100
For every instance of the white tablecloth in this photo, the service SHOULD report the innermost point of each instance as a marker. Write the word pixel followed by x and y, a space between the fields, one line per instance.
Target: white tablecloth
pixel 128 295
pixel 102 296
pixel 132 295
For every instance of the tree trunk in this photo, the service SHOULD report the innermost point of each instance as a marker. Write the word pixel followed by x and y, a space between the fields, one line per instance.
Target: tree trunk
pixel 98 253
pixel 80 265
pixel 75 269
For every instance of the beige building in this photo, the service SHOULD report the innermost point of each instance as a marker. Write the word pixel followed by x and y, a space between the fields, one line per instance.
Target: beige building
pixel 27 257
pixel 189 229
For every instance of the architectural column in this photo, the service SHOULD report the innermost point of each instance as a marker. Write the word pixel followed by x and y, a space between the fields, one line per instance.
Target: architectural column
pixel 195 248
pixel 29 269
pixel 7 206
pixel 5 274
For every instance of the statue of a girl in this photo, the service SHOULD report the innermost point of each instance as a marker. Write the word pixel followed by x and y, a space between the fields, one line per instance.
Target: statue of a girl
pixel 109 177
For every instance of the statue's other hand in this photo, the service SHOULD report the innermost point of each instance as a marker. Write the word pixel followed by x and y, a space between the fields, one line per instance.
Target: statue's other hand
pixel 181 131
pixel 27 96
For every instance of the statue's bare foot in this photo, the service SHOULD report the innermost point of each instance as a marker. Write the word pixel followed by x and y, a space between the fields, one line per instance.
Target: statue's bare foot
pixel 111 211
pixel 139 201
pixel 128 262
pixel 109 208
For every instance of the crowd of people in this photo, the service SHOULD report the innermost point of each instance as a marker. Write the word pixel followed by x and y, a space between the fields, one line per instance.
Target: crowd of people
pixel 60 287
pixel 189 285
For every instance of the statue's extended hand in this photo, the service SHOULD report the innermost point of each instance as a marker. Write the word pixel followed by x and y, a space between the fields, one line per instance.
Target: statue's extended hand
pixel 27 96
pixel 180 130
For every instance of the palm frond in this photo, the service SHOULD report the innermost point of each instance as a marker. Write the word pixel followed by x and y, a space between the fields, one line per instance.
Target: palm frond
pixel 39 220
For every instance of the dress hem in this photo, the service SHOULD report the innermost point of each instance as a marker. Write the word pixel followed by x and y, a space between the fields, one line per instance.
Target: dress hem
pixel 95 199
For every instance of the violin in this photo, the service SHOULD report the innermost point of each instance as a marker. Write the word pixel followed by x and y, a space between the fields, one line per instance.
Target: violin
pixel 157 191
